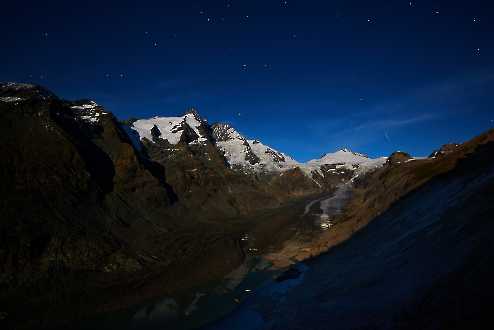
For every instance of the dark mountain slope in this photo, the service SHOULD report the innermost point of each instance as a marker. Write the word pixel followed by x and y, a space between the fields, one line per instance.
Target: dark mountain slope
pixel 424 263
pixel 82 212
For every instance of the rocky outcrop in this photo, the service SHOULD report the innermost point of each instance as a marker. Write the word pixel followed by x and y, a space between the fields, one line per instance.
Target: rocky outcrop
pixel 444 150
pixel 398 157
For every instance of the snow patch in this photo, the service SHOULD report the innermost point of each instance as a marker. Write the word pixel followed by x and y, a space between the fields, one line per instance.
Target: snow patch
pixel 11 99
pixel 88 111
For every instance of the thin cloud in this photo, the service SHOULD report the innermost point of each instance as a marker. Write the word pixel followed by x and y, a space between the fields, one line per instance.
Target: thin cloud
pixel 395 123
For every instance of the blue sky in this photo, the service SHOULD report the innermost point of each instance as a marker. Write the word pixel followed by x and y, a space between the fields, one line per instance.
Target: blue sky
pixel 306 77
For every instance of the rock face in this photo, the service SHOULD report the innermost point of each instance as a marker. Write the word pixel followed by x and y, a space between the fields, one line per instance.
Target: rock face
pixel 81 206
pixel 398 157
pixel 73 187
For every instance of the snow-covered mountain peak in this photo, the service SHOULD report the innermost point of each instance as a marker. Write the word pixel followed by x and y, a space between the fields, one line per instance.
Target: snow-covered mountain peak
pixel 186 128
pixel 345 159
pixel 249 154
pixel 234 146
pixel 343 156
pixel 192 112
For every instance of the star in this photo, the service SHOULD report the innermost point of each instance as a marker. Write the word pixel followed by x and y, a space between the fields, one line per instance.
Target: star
pixel 476 20
pixel 155 44
pixel 245 67
pixel 477 51
pixel 284 3
pixel 411 4
pixel 435 12
pixel 370 20
pixel 122 76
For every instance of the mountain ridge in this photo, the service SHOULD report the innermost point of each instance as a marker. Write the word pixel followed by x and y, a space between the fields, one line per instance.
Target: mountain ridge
pixel 250 154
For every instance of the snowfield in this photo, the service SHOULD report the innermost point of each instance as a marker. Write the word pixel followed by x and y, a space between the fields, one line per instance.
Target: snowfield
pixel 171 128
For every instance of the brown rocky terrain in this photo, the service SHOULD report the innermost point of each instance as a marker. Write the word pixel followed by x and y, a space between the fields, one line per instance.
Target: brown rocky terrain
pixel 375 193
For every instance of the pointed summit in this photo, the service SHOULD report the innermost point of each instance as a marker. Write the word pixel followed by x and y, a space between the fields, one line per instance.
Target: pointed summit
pixel 193 111
pixel 187 128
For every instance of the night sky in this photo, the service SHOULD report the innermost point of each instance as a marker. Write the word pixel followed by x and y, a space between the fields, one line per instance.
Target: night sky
pixel 306 77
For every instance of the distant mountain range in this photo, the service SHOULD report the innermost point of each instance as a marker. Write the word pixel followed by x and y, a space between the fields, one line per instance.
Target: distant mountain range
pixel 117 212
pixel 249 156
